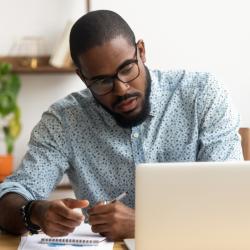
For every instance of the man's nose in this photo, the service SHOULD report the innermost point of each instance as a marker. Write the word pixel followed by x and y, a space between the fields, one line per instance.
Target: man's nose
pixel 120 88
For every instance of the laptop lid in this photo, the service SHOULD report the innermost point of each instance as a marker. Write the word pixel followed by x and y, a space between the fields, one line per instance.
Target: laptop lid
pixel 194 206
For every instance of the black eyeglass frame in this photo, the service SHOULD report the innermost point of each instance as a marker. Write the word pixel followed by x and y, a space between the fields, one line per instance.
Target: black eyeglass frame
pixel 114 76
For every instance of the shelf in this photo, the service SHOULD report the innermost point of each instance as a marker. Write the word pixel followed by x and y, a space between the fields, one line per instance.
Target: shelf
pixel 21 65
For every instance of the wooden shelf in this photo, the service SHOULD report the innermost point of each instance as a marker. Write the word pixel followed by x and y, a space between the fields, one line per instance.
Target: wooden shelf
pixel 22 65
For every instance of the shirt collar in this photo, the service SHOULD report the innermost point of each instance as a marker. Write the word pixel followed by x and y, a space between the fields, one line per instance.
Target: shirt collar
pixel 160 83
pixel 154 94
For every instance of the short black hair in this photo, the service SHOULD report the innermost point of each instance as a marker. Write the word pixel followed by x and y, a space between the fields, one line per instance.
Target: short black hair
pixel 94 29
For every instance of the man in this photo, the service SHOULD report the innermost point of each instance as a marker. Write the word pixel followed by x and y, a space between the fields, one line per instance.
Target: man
pixel 127 115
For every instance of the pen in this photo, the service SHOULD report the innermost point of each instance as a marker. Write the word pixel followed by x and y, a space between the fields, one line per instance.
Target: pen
pixel 118 198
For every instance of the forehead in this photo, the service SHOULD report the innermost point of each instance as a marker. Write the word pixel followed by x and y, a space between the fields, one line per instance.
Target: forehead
pixel 104 59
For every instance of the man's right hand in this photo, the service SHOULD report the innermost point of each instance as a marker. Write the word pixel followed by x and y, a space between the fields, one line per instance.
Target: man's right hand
pixel 57 217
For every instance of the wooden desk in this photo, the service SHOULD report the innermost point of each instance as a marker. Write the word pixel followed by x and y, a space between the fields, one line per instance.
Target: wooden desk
pixel 10 242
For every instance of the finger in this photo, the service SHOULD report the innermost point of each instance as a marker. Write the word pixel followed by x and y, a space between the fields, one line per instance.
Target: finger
pixel 65 221
pixel 103 228
pixel 98 219
pixel 57 228
pixel 55 233
pixel 68 213
pixel 109 236
pixel 100 209
pixel 100 203
pixel 73 203
pixel 63 229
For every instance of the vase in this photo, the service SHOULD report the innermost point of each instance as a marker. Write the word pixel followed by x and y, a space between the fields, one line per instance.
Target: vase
pixel 6 166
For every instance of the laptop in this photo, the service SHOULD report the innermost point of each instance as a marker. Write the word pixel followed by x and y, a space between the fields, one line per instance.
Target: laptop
pixel 193 206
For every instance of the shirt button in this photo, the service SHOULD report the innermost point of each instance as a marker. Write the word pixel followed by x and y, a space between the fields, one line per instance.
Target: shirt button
pixel 136 135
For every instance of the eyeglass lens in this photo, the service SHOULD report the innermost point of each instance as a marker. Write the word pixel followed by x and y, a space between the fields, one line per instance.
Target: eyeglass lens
pixel 126 74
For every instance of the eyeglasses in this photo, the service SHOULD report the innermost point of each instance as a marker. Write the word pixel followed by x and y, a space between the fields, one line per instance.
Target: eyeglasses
pixel 126 73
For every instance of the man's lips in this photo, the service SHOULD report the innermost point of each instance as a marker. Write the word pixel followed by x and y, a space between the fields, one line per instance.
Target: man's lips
pixel 127 105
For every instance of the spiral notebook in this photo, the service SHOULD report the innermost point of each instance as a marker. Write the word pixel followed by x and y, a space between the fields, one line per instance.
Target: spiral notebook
pixel 80 237
pixel 76 241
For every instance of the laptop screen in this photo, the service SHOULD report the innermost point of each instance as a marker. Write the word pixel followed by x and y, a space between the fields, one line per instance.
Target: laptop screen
pixel 201 205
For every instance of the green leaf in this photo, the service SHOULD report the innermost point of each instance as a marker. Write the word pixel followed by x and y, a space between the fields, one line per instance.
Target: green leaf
pixel 7 103
pixel 14 84
pixel 9 141
pixel 9 88
pixel 5 68
pixel 14 127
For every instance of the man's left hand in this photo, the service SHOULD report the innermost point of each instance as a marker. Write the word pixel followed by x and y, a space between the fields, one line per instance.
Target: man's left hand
pixel 114 220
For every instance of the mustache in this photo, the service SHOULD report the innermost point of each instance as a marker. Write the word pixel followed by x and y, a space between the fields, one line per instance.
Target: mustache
pixel 123 98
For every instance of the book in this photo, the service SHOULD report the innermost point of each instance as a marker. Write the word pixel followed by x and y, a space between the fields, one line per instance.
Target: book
pixel 61 55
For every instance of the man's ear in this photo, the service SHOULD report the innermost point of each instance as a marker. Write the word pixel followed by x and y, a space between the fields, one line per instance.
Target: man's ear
pixel 141 49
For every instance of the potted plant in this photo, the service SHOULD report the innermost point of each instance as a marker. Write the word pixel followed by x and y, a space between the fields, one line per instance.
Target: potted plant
pixel 9 116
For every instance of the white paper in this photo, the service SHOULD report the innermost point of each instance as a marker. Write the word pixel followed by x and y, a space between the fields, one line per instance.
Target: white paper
pixel 33 242
pixel 130 243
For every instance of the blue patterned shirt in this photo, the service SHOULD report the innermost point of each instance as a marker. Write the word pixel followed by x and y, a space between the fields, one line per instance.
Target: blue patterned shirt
pixel 191 119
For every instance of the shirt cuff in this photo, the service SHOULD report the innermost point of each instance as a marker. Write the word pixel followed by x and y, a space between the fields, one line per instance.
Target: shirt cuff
pixel 14 187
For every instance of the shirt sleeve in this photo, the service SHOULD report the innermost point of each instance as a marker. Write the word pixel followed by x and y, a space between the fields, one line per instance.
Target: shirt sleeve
pixel 219 139
pixel 44 163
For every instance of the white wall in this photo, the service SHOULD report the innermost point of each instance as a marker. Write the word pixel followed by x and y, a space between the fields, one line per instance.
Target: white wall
pixel 210 35
pixel 207 35
pixel 46 18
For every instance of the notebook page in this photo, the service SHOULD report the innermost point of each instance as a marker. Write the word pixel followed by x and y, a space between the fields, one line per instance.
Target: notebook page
pixel 130 243
pixel 81 235
pixel 84 230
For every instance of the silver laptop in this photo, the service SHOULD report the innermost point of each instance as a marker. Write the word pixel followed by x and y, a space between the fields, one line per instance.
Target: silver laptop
pixel 193 206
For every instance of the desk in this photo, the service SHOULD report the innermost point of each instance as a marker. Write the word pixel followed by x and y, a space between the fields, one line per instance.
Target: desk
pixel 10 242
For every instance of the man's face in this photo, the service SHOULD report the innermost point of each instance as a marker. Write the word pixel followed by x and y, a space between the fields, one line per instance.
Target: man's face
pixel 127 102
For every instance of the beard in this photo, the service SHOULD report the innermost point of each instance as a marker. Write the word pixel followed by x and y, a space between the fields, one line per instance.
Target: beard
pixel 127 121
